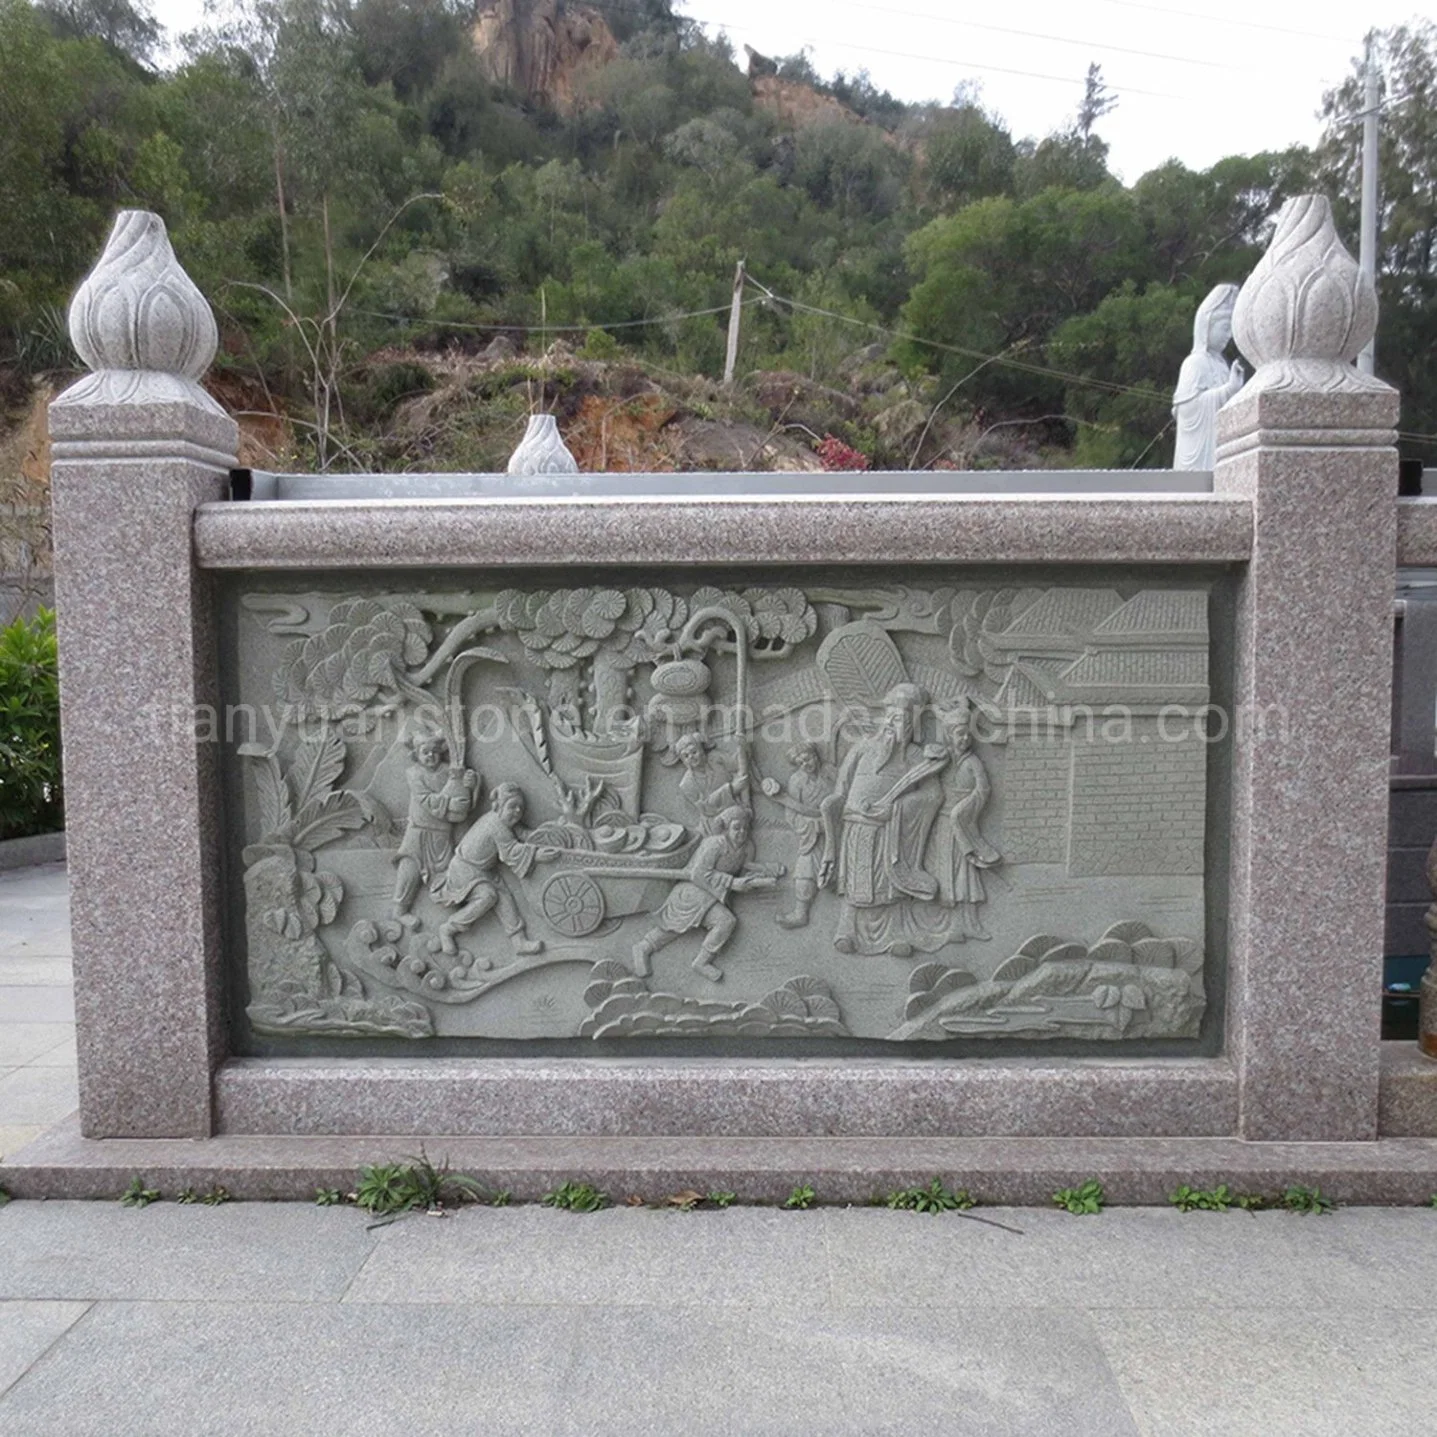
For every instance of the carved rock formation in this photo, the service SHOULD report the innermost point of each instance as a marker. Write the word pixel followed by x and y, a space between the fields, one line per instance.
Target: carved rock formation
pixel 543 48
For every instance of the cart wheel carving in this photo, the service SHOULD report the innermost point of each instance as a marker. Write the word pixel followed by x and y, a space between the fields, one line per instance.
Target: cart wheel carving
pixel 573 903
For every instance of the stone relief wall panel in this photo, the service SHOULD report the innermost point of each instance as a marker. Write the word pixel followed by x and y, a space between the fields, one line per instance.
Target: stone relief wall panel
pixel 755 810
pixel 1038 799
pixel 1139 807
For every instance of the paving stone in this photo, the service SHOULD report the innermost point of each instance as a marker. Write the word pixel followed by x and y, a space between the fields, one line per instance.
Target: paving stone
pixel 619 1257
pixel 29 937
pixel 28 1330
pixel 1266 1371
pixel 22 970
pixel 266 1252
pixel 38 1095
pixel 14 1137
pixel 63 1055
pixel 277 1368
pixel 23 1041
pixel 32 1003
pixel 1128 1257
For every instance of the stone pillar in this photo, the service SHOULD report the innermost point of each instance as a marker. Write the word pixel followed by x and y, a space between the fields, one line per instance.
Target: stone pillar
pixel 137 445
pixel 1310 441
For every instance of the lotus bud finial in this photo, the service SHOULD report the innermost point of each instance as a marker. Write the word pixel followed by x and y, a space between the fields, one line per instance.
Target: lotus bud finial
pixel 1307 309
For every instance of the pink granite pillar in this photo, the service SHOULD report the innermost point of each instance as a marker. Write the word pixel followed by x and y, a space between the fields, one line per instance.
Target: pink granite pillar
pixel 1310 441
pixel 137 445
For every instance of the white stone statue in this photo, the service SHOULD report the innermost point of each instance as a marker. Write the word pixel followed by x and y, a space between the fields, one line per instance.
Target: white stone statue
pixel 1206 381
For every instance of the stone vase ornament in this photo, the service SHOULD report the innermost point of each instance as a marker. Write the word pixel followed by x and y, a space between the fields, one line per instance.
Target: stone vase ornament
pixel 542 449
pixel 139 322
pixel 1307 310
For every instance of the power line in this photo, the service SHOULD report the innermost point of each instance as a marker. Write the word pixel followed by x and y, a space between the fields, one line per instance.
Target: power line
pixel 1075 81
pixel 548 328
pixel 1225 21
pixel 1089 45
pixel 1110 386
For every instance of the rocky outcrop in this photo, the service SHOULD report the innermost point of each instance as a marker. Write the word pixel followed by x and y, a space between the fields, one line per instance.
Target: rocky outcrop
pixel 796 106
pixel 542 48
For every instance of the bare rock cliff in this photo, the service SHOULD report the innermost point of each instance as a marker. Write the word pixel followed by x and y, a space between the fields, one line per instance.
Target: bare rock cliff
pixel 541 48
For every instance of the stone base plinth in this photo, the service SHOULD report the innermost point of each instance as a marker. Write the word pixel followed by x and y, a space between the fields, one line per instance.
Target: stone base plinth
pixel 1008 1171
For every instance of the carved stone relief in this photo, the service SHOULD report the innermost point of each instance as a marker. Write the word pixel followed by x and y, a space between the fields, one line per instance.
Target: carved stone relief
pixel 763 811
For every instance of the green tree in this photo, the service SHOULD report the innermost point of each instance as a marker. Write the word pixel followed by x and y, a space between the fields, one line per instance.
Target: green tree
pixel 1129 350
pixel 994 280
pixel 1407 244
pixel 121 24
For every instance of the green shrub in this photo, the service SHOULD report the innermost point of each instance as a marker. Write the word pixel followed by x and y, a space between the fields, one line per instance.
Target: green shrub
pixel 30 788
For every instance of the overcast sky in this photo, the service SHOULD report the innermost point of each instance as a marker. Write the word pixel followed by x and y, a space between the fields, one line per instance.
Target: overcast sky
pixel 1192 82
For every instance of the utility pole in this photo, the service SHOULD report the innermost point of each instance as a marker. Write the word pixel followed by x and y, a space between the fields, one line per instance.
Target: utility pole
pixel 735 314
pixel 1367 253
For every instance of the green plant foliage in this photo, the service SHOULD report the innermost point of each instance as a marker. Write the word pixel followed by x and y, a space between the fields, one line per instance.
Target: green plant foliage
pixel 1218 1199
pixel 288 145
pixel 137 1194
pixel 1251 1202
pixel 802 1197
pixel 575 1197
pixel 390 1189
pixel 1297 1198
pixel 4 1197
pixel 1087 1197
pixel 31 793
pixel 933 1198
pixel 328 1197
pixel 720 1198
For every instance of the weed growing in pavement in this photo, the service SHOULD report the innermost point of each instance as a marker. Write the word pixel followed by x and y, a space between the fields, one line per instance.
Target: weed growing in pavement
pixel 1306 1200
pixel 1087 1197
pixel 576 1197
pixel 934 1198
pixel 1217 1199
pixel 801 1198
pixel 137 1194
pixel 391 1189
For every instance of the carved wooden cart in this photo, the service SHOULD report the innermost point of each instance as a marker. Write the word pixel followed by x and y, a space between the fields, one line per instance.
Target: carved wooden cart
pixel 580 889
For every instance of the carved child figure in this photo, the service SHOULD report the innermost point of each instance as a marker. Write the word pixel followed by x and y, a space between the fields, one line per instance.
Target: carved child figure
pixel 473 884
pixel 441 794
pixel 700 899
pixel 801 800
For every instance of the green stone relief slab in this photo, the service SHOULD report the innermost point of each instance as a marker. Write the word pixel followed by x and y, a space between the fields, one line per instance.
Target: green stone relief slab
pixel 903 813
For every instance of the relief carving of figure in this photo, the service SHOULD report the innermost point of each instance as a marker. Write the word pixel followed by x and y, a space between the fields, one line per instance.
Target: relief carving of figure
pixel 962 853
pixel 802 801
pixel 473 884
pixel 1206 381
pixel 877 824
pixel 441 794
pixel 700 899
pixel 708 784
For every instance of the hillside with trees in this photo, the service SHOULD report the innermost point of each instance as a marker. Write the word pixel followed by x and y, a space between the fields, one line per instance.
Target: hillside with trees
pixel 417 219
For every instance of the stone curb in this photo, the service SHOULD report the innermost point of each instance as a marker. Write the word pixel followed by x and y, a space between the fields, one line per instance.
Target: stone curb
pixel 997 1171
pixel 31 852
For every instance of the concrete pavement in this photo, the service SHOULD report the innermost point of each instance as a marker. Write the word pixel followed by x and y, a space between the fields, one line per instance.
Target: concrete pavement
pixel 267 1318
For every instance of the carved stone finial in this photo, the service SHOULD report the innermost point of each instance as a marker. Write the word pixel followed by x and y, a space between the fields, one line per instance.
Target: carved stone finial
pixel 139 322
pixel 1307 309
pixel 542 449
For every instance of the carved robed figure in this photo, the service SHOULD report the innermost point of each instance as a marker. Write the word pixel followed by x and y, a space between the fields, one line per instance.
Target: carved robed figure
pixel 1206 381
